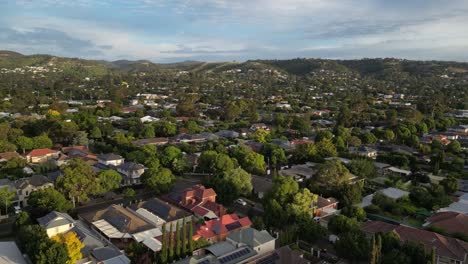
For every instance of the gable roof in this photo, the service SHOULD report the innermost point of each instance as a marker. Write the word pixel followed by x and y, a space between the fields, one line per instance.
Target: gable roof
pixel 110 157
pixel 445 246
pixel 225 224
pixel 251 237
pixel 9 155
pixel 55 219
pixel 41 152
pixel 121 219
pixel 35 180
pixel 451 222
pixel 162 209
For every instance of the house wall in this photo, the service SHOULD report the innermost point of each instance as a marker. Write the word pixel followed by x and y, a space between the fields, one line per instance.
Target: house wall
pixel 111 162
pixel 265 248
pixel 59 229
pixel 43 159
pixel 24 193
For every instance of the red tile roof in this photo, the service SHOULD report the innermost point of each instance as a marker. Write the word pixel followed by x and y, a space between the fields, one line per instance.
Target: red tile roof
pixel 451 222
pixel 9 155
pixel 445 246
pixel 41 152
pixel 222 226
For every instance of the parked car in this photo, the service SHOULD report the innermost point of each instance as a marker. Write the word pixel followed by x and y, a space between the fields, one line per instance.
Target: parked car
pixel 241 202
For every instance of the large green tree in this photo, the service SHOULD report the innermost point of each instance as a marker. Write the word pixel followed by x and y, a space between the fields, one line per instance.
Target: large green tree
pixel 49 199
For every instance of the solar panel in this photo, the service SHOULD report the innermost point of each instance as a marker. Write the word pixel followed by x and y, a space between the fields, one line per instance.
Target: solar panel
pixel 204 262
pixel 235 255
pixel 119 221
pixel 233 226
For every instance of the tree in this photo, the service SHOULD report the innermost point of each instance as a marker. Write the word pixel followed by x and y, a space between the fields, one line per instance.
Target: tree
pixel 340 224
pixel 128 193
pixel 171 244
pixel 260 135
pixel 206 159
pixel 6 196
pixel 354 211
pixel 80 139
pixel 373 253
pixel 95 133
pixel 326 148
pixel 353 245
pixel 184 237
pixel 42 141
pixel 109 180
pixel 40 248
pixel 240 180
pixel 454 146
pixel 148 132
pixel 283 190
pixel 163 254
pixel 221 163
pixel 362 167
pixel 78 181
pixel 305 152
pixel 73 244
pixel 190 237
pixel 49 199
pixel 302 202
pixel 333 173
pixel 159 179
pixel 275 215
pixel 254 163
pixel 450 184
pixel 24 143
pixel 368 138
pixel 178 246
pixel 323 134
pixel 169 155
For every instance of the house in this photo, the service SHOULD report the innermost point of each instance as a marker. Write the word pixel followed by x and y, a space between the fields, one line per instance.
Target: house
pixel 283 255
pixel 260 241
pixel 301 172
pixel 244 246
pixel 110 159
pixel 396 171
pixel 448 250
pixel 450 222
pixel 324 207
pixel 149 119
pixel 42 155
pixel 159 141
pixel 199 200
pixel 255 127
pixel 122 226
pixel 461 206
pixel 56 223
pixel 159 212
pixel 108 255
pixel 60 223
pixel 261 185
pixel 24 187
pixel 364 151
pixel 218 229
pixel 132 172
pixel 5 156
pixel 10 253
pixel 80 152
pixel 393 193
pixel 227 134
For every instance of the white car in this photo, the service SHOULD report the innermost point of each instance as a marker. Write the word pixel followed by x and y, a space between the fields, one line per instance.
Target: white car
pixel 241 202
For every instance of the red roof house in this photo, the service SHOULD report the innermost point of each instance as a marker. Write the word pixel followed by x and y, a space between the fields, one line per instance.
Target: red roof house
pixel 450 222
pixel 217 229
pixel 199 200
pixel 448 249
pixel 42 155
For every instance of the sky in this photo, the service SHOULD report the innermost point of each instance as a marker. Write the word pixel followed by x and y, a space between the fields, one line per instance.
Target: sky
pixel 227 30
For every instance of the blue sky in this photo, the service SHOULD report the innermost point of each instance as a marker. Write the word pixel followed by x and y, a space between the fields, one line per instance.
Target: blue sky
pixel 224 30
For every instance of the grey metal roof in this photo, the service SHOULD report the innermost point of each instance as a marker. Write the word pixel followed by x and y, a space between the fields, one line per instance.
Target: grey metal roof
pixel 251 237
pixel 54 219
pixel 131 166
pixel 221 248
pixel 109 255
pixel 110 156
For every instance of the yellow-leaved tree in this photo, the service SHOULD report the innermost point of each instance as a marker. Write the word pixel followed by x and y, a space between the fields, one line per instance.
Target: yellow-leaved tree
pixel 73 244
